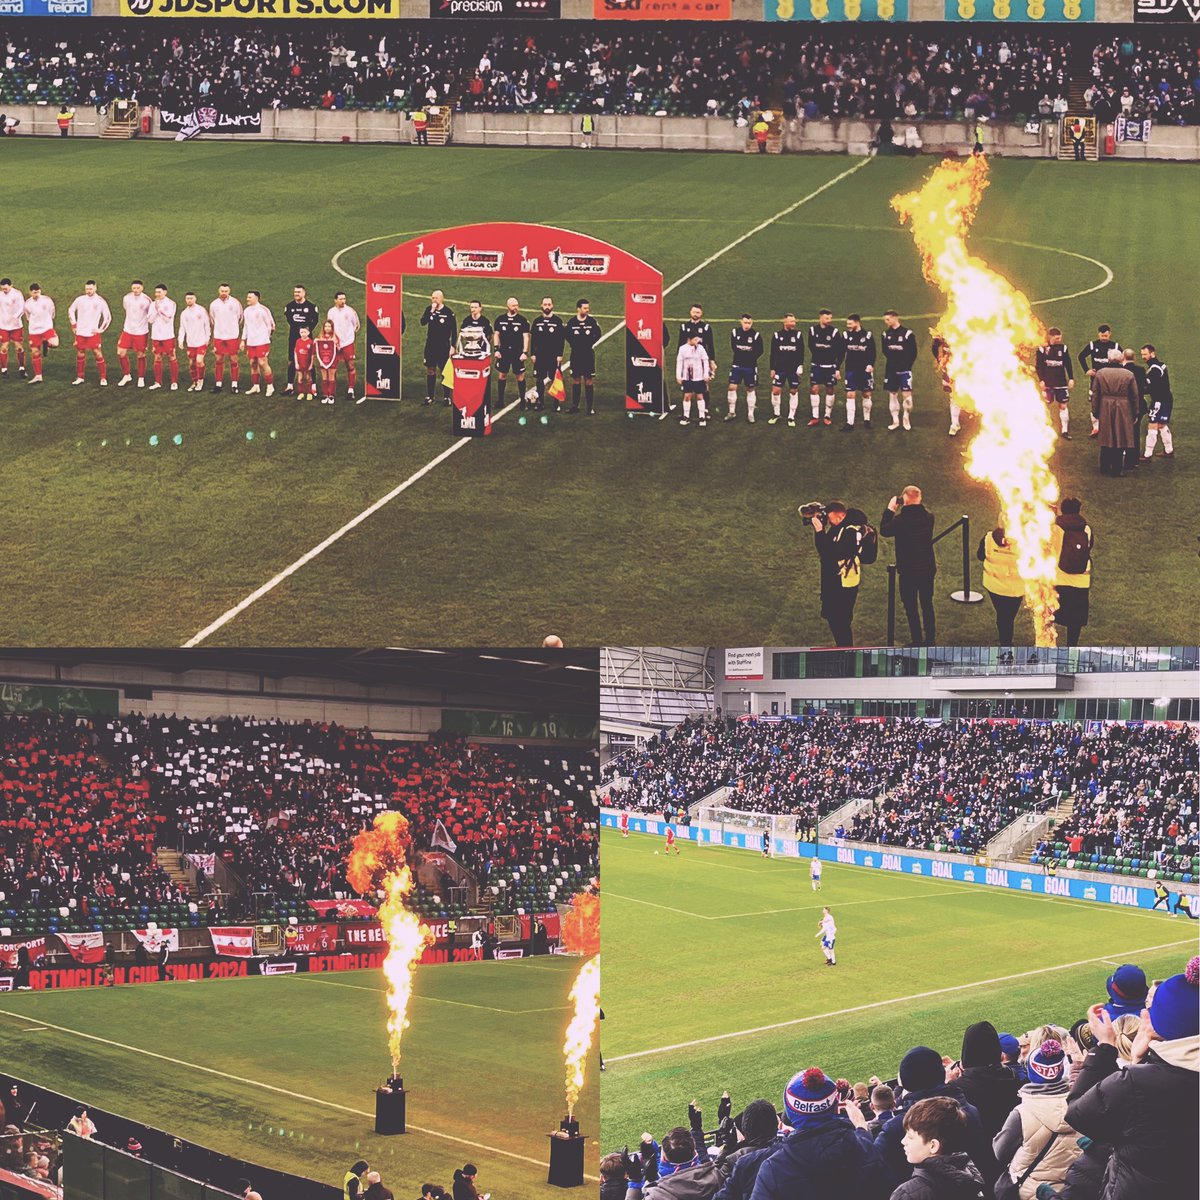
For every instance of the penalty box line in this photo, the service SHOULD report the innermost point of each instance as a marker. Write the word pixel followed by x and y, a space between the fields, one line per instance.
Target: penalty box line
pixel 857 1008
pixel 417 476
pixel 270 1087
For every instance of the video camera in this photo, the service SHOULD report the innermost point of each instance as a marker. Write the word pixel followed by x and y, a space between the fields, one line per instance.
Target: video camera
pixel 814 508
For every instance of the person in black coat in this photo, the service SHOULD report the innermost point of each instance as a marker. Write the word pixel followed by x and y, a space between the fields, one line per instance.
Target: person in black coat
pixel 988 1085
pixel 1149 1111
pixel 935 1133
pixel 908 521
pixel 612 1177
pixel 823 1155
pixel 922 1075
pixel 758 1139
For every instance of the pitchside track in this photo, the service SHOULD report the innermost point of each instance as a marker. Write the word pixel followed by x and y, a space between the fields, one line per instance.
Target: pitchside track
pixel 282 1070
pixel 616 529
pixel 714 978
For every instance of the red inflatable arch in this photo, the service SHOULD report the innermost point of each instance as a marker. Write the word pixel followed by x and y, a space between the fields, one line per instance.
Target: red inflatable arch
pixel 507 250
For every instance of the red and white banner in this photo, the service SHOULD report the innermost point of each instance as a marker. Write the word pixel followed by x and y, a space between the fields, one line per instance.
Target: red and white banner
pixel 206 864
pixel 84 947
pixel 342 908
pixel 311 939
pixel 509 250
pixel 234 941
pixel 472 410
pixel 155 939
pixel 9 951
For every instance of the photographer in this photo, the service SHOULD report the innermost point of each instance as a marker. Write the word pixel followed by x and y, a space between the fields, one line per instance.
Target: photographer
pixel 844 541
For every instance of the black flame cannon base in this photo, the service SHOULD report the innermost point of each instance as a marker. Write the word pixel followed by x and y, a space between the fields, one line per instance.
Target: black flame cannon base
pixel 566 1155
pixel 390 1103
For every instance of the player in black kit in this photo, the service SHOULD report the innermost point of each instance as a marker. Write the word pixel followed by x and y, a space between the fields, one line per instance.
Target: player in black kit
pixel 300 314
pixel 583 333
pixel 900 354
pixel 697 326
pixel 860 370
pixel 746 344
pixel 441 332
pixel 1094 356
pixel 826 348
pixel 1057 376
pixel 787 365
pixel 546 338
pixel 512 349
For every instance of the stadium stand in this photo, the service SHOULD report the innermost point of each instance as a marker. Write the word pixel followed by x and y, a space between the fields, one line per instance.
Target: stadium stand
pixel 573 66
pixel 1119 1098
pixel 85 806
pixel 950 785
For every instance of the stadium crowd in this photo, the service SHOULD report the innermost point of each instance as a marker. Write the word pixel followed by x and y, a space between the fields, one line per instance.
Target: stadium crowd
pixel 952 785
pixel 1104 1110
pixel 733 71
pixel 1159 80
pixel 85 803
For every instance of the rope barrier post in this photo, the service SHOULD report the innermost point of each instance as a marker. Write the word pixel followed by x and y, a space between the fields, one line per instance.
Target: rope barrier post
pixel 891 617
pixel 966 596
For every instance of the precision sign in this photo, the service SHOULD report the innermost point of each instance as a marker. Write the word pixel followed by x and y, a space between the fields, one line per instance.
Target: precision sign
pixel 567 261
pixel 259 9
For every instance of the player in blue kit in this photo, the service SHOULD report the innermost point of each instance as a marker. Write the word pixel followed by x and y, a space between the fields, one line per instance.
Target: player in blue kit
pixel 827 932
pixel 826 348
pixel 1158 387
pixel 746 345
pixel 860 370
pixel 787 365
pixel 900 354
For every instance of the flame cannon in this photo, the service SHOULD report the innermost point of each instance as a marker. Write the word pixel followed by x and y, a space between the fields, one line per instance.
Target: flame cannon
pixel 379 862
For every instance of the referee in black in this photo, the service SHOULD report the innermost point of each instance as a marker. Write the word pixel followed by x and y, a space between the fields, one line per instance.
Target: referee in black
pixel 300 314
pixel 512 349
pixel 441 332
pixel 583 332
pixel 547 336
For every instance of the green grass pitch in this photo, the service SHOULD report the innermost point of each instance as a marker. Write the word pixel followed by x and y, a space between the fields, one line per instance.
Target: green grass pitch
pixel 282 1070
pixel 703 946
pixel 602 530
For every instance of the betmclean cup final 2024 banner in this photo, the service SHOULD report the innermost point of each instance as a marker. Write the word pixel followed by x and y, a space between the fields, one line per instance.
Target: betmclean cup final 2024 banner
pixel 261 9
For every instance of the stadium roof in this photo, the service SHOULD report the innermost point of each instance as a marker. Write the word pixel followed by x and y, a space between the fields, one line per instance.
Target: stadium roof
pixel 544 680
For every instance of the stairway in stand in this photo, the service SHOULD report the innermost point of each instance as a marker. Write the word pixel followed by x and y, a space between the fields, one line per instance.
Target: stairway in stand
pixel 1079 82
pixel 171 861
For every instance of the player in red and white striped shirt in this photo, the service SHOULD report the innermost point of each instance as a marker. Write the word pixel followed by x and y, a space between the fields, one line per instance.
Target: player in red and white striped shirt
pixel 90 316
pixel 194 331
pixel 257 326
pixel 162 336
pixel 345 325
pixel 135 332
pixel 12 329
pixel 226 314
pixel 39 310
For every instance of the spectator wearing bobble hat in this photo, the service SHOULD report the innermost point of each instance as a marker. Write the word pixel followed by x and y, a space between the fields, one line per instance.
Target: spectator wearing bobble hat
pixel 1126 991
pixel 823 1155
pixel 1037 1145
pixel 1148 1112
pixel 922 1075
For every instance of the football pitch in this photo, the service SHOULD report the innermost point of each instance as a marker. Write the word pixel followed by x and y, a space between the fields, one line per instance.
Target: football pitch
pixel 714 978
pixel 282 1070
pixel 135 517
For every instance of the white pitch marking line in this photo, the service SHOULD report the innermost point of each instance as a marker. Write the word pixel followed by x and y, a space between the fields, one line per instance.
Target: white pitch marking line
pixel 358 987
pixel 841 1012
pixel 417 476
pixel 270 1087
pixel 769 912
